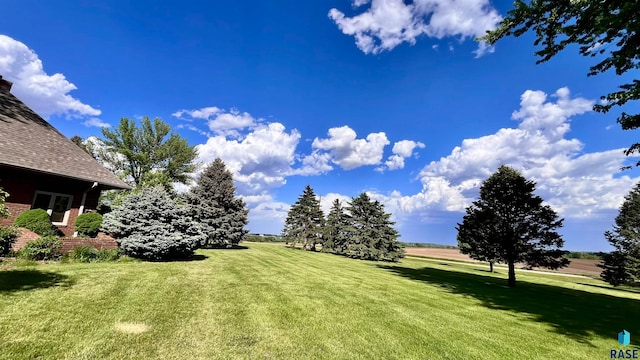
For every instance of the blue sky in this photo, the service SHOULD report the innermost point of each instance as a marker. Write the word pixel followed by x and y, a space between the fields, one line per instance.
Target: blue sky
pixel 348 96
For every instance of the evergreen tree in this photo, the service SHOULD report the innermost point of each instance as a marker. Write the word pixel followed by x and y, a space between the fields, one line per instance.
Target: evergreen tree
pixel 337 229
pixel 475 238
pixel 373 237
pixel 151 225
pixel 221 214
pixel 622 266
pixel 509 224
pixel 304 221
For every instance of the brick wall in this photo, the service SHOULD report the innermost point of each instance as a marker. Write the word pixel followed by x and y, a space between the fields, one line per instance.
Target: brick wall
pixel 15 209
pixel 24 237
pixel 102 241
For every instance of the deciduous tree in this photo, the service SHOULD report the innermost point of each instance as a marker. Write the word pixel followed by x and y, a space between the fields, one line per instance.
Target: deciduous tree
pixel 510 224
pixel 149 149
pixel 606 30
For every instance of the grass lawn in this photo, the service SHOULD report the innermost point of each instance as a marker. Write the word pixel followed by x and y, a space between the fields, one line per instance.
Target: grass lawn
pixel 271 302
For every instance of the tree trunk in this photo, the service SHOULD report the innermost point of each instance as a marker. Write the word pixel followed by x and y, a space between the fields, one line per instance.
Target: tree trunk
pixel 490 266
pixel 512 274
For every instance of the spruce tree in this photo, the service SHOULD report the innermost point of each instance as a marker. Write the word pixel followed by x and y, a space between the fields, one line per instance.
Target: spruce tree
pixel 215 206
pixel 373 237
pixel 510 224
pixel 622 266
pixel 304 221
pixel 337 230
pixel 151 225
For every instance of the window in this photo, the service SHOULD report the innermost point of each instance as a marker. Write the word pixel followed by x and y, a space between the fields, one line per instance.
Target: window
pixel 56 205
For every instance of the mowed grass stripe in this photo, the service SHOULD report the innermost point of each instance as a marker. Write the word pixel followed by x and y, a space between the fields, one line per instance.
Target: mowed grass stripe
pixel 273 302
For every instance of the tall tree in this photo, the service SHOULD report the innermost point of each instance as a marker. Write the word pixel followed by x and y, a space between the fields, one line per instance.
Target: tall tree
pixel 510 224
pixel 80 142
pixel 373 237
pixel 607 30
pixel 475 238
pixel 150 149
pixel 304 221
pixel 337 229
pixel 622 266
pixel 221 214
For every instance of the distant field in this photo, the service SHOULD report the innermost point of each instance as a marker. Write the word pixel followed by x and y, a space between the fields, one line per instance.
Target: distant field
pixel 273 302
pixel 578 266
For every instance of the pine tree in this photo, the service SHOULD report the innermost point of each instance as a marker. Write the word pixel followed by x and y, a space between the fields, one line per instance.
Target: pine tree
pixel 509 224
pixel 304 221
pixel 151 225
pixel 221 214
pixel 374 237
pixel 337 229
pixel 622 266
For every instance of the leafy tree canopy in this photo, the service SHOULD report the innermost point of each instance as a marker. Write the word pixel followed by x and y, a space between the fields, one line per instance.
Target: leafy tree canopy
pixel 149 153
pixel 606 30
pixel 510 224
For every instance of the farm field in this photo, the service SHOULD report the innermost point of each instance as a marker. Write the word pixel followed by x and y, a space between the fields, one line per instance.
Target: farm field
pixel 273 302
pixel 578 266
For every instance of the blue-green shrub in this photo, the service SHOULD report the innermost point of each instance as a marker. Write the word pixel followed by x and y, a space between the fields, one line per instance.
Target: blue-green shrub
pixel 88 224
pixel 36 220
pixel 151 225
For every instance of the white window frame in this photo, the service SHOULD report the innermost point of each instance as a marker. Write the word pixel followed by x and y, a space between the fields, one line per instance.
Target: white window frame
pixel 49 209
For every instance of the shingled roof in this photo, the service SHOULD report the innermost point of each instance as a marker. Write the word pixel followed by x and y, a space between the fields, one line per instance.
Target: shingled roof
pixel 27 141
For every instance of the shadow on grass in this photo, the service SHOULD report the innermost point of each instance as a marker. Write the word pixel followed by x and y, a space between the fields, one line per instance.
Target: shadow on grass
pixel 23 280
pixel 194 257
pixel 619 288
pixel 232 247
pixel 574 313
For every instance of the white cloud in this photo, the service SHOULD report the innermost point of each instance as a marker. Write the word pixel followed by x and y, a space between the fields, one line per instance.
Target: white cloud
pixel 259 161
pixel 574 183
pixel 96 122
pixel 401 150
pixel 315 164
pixel 45 94
pixel 326 201
pixel 349 152
pixel 227 123
pixel 388 23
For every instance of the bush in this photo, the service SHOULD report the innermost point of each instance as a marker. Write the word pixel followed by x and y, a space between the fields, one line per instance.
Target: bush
pixel 44 248
pixel 88 224
pixel 86 253
pixel 36 220
pixel 8 236
pixel 151 225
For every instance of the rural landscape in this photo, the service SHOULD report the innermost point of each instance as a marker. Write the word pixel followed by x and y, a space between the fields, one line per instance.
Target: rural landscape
pixel 217 234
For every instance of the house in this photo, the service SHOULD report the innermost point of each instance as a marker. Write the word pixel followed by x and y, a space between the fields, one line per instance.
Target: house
pixel 41 169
